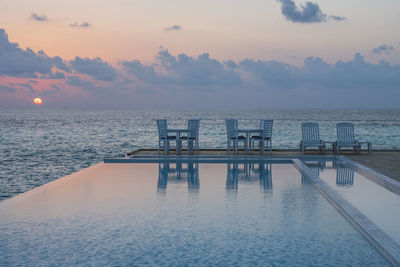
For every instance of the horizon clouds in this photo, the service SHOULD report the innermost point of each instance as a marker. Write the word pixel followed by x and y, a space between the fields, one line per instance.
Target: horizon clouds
pixel 183 81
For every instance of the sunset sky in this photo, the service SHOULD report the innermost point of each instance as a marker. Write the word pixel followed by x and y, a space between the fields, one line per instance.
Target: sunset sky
pixel 201 54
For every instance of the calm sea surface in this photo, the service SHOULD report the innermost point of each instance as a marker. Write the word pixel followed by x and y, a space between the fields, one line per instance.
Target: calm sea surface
pixel 40 146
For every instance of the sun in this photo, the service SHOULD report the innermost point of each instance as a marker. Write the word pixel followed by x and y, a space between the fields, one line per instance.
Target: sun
pixel 37 101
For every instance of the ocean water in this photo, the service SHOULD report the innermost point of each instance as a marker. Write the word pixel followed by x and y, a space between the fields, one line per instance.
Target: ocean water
pixel 40 146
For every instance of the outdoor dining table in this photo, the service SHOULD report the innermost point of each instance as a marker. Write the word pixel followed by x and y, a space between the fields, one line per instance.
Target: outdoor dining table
pixel 178 133
pixel 248 133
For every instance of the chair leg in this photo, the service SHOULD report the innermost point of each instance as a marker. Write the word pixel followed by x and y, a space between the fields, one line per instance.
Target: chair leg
pixel 263 144
pixel 236 145
pixel 190 146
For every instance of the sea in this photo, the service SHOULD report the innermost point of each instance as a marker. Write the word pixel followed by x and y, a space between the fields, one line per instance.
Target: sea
pixel 39 146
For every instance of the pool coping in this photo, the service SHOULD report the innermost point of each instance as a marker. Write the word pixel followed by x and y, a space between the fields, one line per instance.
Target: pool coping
pixel 385 244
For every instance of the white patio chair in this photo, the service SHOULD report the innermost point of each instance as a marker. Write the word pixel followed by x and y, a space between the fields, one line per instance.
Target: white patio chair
pixel 310 137
pixel 345 137
pixel 163 138
pixel 233 135
pixel 192 138
pixel 265 139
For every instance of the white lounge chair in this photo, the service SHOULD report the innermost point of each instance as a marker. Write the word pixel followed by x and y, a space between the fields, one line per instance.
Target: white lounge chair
pixel 192 138
pixel 265 139
pixel 163 138
pixel 345 137
pixel 233 135
pixel 310 137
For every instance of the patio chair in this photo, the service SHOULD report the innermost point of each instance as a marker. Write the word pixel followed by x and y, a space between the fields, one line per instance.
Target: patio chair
pixel 163 138
pixel 265 139
pixel 310 137
pixel 233 135
pixel 345 137
pixel 192 138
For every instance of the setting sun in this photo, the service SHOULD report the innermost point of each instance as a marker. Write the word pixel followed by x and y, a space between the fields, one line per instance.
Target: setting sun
pixel 37 101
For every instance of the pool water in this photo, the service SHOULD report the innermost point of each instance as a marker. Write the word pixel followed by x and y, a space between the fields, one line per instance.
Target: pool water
pixel 179 214
pixel 377 203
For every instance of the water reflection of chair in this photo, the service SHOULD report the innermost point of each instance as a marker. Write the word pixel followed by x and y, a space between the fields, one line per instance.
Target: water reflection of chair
pixel 179 174
pixel 265 174
pixel 315 167
pixel 248 173
pixel 344 176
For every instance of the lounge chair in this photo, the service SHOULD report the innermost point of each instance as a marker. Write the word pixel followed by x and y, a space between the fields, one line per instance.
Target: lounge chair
pixel 265 139
pixel 345 137
pixel 310 137
pixel 163 138
pixel 192 138
pixel 233 135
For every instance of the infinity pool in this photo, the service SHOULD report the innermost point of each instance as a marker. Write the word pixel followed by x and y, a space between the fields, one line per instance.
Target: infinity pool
pixel 180 214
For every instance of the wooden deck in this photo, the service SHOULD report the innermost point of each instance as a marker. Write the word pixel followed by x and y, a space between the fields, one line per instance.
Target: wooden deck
pixel 385 162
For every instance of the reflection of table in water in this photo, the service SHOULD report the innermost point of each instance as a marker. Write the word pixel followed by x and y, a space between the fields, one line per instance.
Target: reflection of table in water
pixel 248 172
pixel 166 172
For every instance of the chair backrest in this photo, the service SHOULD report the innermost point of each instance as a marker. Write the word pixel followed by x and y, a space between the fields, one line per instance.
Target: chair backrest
pixel 266 126
pixel 345 132
pixel 310 132
pixel 231 128
pixel 162 128
pixel 193 127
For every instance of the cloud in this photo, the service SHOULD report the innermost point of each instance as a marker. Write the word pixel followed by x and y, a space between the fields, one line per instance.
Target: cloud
pixel 96 68
pixel 56 75
pixel 196 81
pixel 82 25
pixel 337 18
pixel 26 87
pixel 17 62
pixel 387 49
pixel 37 17
pixel 183 70
pixel 319 75
pixel 307 13
pixel 78 82
pixel 7 89
pixel 60 64
pixel 54 89
pixel 173 28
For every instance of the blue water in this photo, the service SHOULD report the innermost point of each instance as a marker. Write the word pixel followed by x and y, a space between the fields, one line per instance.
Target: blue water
pixel 194 215
pixel 357 189
pixel 40 146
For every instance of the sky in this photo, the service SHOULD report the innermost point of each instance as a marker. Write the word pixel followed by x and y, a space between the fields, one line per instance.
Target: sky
pixel 131 54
